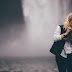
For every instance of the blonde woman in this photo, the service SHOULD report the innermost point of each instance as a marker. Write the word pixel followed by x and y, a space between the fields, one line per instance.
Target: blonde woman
pixel 62 46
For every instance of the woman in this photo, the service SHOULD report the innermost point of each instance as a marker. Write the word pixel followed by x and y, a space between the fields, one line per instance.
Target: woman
pixel 63 44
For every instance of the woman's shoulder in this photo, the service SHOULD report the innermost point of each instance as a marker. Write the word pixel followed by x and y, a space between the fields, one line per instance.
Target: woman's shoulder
pixel 59 26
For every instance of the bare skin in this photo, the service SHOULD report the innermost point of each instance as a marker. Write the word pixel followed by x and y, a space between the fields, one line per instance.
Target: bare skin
pixel 67 31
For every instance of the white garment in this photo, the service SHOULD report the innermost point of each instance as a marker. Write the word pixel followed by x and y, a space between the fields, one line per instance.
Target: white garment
pixel 67 48
pixel 57 35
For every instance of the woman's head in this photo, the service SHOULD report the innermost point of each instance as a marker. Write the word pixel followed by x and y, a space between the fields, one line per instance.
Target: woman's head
pixel 68 21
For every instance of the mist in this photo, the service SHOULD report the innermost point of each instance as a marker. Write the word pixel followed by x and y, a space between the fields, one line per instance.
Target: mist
pixel 27 26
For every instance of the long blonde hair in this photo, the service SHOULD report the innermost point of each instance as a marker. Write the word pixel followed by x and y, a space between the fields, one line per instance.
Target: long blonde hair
pixel 67 20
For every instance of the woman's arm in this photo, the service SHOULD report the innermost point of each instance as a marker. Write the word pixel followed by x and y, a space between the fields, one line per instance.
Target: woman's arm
pixel 66 33
pixel 57 35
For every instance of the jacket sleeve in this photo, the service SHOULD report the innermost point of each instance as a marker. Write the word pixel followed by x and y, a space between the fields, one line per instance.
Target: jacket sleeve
pixel 57 35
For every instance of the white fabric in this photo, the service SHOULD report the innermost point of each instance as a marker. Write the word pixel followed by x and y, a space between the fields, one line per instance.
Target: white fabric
pixel 63 53
pixel 57 35
pixel 67 48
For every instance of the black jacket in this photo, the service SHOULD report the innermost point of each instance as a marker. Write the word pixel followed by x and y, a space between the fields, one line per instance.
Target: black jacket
pixel 58 45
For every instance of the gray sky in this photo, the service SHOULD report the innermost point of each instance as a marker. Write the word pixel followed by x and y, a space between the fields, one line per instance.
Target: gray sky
pixel 35 36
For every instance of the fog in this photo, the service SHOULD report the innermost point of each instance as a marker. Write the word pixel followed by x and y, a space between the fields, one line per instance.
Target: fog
pixel 27 28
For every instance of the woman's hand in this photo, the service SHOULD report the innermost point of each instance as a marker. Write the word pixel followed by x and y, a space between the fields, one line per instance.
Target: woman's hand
pixel 68 30
pixel 66 33
pixel 66 38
